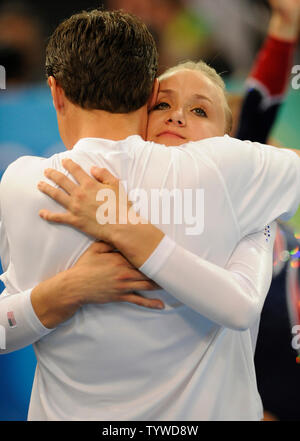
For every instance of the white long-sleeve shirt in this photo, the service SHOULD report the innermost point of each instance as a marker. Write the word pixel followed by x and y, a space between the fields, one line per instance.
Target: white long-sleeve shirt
pixel 120 361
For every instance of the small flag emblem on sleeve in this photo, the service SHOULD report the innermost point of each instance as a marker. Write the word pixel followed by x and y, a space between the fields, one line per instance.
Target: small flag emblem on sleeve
pixel 11 319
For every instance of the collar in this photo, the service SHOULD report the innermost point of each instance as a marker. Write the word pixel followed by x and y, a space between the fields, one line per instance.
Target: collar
pixel 98 143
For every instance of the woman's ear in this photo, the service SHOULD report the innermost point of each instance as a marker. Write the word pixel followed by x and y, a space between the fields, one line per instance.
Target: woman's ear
pixel 153 97
pixel 58 95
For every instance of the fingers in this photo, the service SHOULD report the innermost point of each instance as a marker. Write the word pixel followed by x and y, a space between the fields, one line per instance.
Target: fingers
pixel 60 179
pixel 140 285
pixel 143 301
pixel 104 176
pixel 55 193
pixel 95 248
pixel 75 170
pixel 59 218
pixel 130 273
pixel 83 178
pixel 100 247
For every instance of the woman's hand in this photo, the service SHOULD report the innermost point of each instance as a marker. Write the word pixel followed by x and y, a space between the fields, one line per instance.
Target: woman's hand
pixel 94 206
pixel 114 221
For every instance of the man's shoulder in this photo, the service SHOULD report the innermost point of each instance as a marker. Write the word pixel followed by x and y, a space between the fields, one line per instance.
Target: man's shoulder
pixel 102 145
pixel 20 179
pixel 27 166
pixel 21 163
pixel 18 169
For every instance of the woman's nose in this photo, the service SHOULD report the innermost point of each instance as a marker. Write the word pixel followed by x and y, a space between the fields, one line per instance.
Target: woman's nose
pixel 176 118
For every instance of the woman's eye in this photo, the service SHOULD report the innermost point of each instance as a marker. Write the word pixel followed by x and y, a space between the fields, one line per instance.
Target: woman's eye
pixel 200 112
pixel 161 106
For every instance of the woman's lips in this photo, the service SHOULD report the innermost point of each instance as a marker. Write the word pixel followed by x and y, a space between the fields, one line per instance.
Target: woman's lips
pixel 169 133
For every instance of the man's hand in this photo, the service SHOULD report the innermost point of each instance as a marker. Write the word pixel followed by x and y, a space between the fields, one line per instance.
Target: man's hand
pixel 104 276
pixel 99 276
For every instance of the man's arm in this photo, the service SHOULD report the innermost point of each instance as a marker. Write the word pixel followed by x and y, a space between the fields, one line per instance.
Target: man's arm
pixel 99 276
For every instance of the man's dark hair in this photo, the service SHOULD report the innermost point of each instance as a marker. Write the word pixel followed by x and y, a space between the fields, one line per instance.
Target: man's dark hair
pixel 103 60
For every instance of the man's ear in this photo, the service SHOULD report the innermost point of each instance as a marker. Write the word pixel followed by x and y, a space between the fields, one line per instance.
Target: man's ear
pixel 57 93
pixel 153 97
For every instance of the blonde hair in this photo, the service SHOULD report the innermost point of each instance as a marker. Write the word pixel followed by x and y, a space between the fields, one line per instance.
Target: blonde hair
pixel 211 74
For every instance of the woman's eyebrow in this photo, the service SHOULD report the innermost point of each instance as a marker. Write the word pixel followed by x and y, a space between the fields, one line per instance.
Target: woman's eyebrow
pixel 167 91
pixel 194 96
pixel 202 97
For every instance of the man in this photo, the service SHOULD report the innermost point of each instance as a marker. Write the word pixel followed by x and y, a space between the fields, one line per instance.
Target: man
pixel 95 363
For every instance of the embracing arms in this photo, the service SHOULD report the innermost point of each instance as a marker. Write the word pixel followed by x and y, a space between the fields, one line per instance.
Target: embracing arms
pixel 99 276
pixel 231 296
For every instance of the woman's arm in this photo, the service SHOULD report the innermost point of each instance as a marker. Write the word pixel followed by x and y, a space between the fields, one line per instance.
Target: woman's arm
pixel 231 296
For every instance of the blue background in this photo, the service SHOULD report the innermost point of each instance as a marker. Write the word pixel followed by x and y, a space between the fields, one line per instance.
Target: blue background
pixel 27 127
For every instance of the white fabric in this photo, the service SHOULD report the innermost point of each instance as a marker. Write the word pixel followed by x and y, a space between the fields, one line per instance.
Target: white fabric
pixel 121 361
pixel 28 329
pixel 236 296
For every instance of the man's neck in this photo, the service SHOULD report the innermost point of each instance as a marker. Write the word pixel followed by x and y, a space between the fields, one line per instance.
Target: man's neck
pixel 100 124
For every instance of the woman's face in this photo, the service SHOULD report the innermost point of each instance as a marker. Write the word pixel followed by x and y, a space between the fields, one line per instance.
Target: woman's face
pixel 189 107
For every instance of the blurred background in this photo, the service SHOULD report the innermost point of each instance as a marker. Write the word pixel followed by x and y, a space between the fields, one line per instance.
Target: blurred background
pixel 226 34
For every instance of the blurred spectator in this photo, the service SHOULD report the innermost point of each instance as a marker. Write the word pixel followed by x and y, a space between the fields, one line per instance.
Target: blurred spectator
pixel 181 34
pixel 142 8
pixel 238 27
pixel 186 35
pixel 22 42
